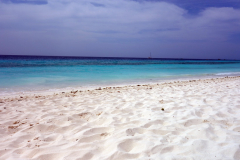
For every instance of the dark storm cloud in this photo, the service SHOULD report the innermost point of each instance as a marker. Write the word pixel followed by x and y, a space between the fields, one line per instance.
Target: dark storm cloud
pixel 97 4
pixel 196 6
pixel 121 28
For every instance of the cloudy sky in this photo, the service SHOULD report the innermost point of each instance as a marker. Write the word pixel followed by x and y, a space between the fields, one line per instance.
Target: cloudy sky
pixel 121 28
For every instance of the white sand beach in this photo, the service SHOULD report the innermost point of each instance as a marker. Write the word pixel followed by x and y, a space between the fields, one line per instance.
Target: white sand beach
pixel 185 120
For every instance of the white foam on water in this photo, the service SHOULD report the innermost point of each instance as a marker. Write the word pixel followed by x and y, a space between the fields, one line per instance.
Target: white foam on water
pixel 228 74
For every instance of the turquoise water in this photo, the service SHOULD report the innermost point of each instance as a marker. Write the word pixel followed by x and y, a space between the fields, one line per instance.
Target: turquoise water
pixel 26 73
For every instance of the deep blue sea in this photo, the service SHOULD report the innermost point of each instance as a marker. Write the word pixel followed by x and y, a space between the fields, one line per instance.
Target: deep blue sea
pixel 30 73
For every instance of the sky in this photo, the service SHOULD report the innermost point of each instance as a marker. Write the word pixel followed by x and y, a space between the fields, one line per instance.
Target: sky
pixel 202 29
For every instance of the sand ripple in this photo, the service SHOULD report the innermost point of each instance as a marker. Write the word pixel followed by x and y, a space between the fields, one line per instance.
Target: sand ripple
pixel 182 120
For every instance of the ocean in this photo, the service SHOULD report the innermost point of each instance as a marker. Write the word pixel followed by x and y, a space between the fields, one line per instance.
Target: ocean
pixel 35 73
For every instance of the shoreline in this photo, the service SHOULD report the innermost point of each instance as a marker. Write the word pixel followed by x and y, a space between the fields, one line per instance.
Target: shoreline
pixel 69 90
pixel 20 92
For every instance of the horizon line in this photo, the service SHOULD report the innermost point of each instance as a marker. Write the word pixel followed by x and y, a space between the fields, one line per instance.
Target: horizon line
pixel 122 57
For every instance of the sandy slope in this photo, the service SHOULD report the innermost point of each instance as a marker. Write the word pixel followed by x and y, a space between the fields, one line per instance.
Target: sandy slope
pixel 183 120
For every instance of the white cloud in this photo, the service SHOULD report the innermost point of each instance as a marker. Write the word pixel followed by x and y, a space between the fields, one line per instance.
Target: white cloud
pixel 124 16
pixel 108 21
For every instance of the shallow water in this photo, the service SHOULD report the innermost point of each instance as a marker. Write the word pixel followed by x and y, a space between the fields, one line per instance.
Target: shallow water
pixel 29 73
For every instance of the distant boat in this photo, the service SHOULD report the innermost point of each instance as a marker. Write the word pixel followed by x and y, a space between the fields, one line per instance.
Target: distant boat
pixel 150 56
